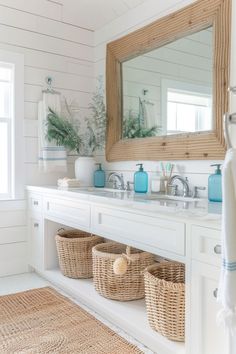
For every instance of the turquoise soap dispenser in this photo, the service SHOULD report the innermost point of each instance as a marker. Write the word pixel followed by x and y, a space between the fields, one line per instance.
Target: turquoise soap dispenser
pixel 140 180
pixel 99 177
pixel 215 185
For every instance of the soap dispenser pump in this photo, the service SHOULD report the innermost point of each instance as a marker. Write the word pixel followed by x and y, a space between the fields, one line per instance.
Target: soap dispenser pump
pixel 215 185
pixel 99 177
pixel 140 180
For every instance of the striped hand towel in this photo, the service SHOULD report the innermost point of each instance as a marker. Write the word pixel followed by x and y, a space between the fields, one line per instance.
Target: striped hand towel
pixel 227 286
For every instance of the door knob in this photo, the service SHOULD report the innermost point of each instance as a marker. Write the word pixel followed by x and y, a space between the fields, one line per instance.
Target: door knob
pixel 215 293
pixel 217 249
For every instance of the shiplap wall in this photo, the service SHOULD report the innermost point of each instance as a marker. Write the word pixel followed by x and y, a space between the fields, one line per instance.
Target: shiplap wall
pixel 197 172
pixel 50 47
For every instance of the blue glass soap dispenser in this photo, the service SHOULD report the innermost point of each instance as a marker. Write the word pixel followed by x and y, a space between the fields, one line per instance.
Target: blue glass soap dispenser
pixel 215 185
pixel 99 177
pixel 140 180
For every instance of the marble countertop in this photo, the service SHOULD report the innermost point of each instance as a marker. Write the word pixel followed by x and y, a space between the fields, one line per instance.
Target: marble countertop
pixel 174 207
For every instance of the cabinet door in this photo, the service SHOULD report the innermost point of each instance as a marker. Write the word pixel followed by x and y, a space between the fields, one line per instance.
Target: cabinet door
pixel 206 245
pixel 69 211
pixel 152 234
pixel 36 242
pixel 207 337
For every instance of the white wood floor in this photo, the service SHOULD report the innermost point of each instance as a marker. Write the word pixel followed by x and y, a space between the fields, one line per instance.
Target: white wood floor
pixel 21 282
pixel 27 281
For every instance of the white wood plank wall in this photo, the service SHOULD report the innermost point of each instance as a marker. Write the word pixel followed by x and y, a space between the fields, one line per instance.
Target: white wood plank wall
pixel 50 47
pixel 73 56
pixel 136 18
pixel 13 238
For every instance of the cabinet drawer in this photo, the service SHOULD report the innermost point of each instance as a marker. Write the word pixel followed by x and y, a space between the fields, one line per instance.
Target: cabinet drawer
pixel 152 234
pixel 77 212
pixel 36 243
pixel 35 202
pixel 206 245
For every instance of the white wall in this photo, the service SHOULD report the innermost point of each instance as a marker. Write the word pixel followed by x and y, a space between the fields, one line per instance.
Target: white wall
pixel 197 172
pixel 66 52
pixel 50 47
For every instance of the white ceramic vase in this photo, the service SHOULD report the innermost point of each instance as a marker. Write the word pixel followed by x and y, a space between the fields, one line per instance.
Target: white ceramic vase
pixel 84 170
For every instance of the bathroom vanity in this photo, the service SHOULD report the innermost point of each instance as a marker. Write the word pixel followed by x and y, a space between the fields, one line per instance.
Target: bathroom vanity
pixel 184 230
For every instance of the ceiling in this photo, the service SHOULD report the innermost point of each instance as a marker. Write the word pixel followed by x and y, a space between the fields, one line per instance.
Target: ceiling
pixel 94 14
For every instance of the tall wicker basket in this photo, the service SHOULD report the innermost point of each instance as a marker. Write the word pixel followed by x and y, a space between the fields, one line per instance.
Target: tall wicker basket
pixel 74 249
pixel 126 287
pixel 165 299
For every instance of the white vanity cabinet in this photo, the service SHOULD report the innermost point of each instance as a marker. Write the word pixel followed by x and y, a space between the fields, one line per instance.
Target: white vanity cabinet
pixel 176 236
pixel 206 335
pixel 36 254
pixel 68 210
pixel 152 234
pixel 35 231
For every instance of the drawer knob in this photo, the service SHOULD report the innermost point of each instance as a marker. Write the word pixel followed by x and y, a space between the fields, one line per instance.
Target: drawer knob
pixel 217 249
pixel 215 293
pixel 36 202
pixel 36 224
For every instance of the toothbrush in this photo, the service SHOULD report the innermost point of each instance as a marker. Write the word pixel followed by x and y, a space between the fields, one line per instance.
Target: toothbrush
pixel 163 169
pixel 171 170
pixel 168 169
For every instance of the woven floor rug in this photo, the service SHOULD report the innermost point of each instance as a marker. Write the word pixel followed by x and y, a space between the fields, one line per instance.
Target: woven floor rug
pixel 42 321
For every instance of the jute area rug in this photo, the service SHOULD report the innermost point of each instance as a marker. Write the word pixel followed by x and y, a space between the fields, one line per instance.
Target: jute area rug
pixel 42 321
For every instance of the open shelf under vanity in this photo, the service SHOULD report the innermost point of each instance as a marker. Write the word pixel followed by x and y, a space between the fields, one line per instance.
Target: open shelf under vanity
pixel 175 237
pixel 129 316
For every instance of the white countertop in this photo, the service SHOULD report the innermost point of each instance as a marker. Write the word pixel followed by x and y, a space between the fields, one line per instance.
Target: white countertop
pixel 200 210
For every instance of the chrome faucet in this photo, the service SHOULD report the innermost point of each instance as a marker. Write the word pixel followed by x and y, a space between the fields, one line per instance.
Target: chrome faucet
pixel 117 177
pixel 185 184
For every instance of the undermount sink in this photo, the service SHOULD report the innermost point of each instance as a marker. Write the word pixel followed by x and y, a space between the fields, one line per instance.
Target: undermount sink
pixel 165 200
pixel 171 197
pixel 99 190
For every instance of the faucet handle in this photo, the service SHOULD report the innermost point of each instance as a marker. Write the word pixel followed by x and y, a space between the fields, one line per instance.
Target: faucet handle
pixel 172 189
pixel 196 189
pixel 128 183
pixel 114 184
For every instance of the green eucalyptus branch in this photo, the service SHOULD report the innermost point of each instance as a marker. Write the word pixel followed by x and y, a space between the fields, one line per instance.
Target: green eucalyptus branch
pixel 133 129
pixel 62 132
pixel 65 131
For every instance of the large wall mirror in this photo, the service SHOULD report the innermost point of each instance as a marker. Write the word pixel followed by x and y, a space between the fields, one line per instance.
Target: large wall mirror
pixel 167 86
pixel 169 90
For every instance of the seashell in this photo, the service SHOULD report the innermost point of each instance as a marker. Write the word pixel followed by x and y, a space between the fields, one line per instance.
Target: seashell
pixel 120 266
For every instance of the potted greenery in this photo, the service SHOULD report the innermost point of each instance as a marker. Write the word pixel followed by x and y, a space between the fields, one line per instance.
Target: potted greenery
pixel 66 132
pixel 133 129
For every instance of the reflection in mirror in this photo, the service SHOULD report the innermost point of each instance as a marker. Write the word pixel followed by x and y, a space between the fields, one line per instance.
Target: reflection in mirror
pixel 169 90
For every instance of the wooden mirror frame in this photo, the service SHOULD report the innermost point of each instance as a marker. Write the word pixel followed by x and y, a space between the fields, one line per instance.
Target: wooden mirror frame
pixel 193 146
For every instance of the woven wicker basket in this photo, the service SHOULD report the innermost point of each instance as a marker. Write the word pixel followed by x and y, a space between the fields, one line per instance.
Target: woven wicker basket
pixel 74 249
pixel 129 286
pixel 165 299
